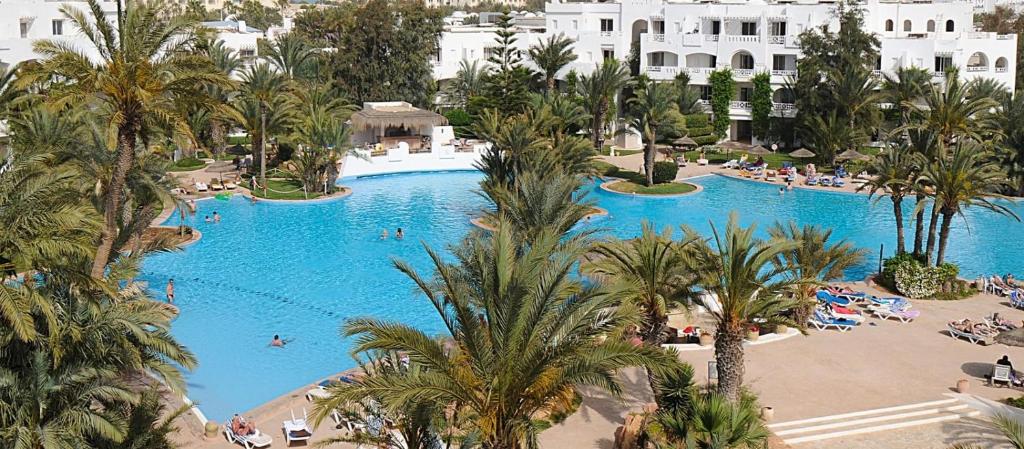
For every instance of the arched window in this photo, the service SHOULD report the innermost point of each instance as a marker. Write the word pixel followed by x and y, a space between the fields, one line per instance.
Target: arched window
pixel 931 26
pixel 888 25
pixel 949 26
pixel 907 26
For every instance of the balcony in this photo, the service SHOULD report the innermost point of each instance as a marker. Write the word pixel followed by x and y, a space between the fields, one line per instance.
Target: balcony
pixel 1000 69
pixel 658 37
pixel 742 39
pixel 711 37
pixel 669 71
pixel 700 70
pixel 744 105
pixel 977 68
pixel 786 72
pixel 938 74
pixel 743 73
pixel 607 33
pixel 704 102
pixel 777 40
pixel 876 73
pixel 780 107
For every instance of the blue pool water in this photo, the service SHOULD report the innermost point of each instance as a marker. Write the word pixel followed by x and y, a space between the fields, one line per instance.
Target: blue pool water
pixel 300 270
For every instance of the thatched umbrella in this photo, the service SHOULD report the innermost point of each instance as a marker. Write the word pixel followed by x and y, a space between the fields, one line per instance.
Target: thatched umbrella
pixel 1011 338
pixel 221 167
pixel 802 153
pixel 237 150
pixel 759 151
pixel 852 155
pixel 734 145
pixel 685 141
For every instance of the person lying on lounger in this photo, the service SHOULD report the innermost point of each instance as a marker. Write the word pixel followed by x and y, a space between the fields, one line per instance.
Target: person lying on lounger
pixel 240 427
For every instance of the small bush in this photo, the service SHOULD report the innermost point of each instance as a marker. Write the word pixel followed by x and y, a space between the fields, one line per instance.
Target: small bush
pixel 202 154
pixel 910 277
pixel 705 140
pixel 1015 402
pixel 186 164
pixel 458 117
pixel 665 171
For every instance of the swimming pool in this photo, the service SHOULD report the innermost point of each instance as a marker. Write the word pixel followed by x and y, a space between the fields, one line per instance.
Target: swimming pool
pixel 299 270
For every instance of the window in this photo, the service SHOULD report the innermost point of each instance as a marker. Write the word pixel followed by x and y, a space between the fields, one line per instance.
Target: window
pixel 748 28
pixel 778 28
pixel 705 93
pixel 931 26
pixel 659 27
pixel 246 53
pixel 779 62
pixel 745 93
pixel 942 63
pixel 24 30
pixel 657 59
pixel 607 25
pixel 608 53
pixel 746 61
pixel 888 25
pixel 58 27
pixel 949 26
pixel 554 24
pixel 907 26
pixel 575 24
pixel 716 27
pixel 679 27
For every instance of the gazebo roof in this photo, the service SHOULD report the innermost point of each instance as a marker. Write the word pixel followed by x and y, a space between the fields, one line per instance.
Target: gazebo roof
pixel 395 114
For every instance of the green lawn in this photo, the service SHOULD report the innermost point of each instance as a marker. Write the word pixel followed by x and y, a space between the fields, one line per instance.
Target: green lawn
pixel 634 183
pixel 606 151
pixel 774 160
pixel 186 164
pixel 293 186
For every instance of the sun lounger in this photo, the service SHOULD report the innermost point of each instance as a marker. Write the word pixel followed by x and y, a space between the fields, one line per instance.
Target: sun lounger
pixel 838 182
pixel 681 161
pixel 976 334
pixel 822 322
pixel 202 187
pixel 825 181
pixel 769 175
pixel 999 323
pixel 216 186
pixel 811 180
pixel 230 185
pixel 731 164
pixel 254 440
pixel 846 293
pixel 1001 375
pixel 826 297
pixel 1017 299
pixel 847 314
pixel 894 301
pixel 886 312
pixel 297 429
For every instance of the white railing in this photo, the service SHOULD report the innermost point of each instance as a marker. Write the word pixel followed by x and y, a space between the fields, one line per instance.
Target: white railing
pixel 783 72
pixel 743 73
pixel 700 70
pixel 938 74
pixel 711 37
pixel 739 104
pixel 606 33
pixel 783 106
pixel 734 38
pixel 777 40
pixel 977 68
pixel 876 72
pixel 1000 69
pixel 1005 37
pixel 705 102
pixel 658 37
pixel 667 69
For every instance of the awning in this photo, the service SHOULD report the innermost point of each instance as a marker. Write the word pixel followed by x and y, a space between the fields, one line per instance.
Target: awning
pixel 407 116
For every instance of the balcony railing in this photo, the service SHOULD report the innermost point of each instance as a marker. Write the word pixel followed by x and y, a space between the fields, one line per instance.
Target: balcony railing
pixel 711 37
pixel 876 73
pixel 699 70
pixel 1000 69
pixel 606 33
pixel 777 40
pixel 704 102
pixel 1004 37
pixel 977 68
pixel 783 106
pixel 671 70
pixel 938 74
pixel 739 104
pixel 743 73
pixel 787 72
pixel 658 37
pixel 734 38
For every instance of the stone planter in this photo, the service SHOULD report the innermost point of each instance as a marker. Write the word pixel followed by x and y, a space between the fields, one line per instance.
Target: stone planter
pixel 753 335
pixel 963 385
pixel 211 430
pixel 706 340
pixel 767 413
pixel 782 329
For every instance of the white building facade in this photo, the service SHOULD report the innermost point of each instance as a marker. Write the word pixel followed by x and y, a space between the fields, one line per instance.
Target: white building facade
pixel 763 36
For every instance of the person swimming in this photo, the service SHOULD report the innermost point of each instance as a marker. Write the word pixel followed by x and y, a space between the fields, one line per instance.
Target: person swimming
pixel 170 291
pixel 216 217
pixel 399 234
pixel 277 342
pixel 208 219
pixel 384 234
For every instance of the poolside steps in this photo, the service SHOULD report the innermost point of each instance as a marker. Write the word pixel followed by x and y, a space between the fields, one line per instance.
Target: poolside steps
pixel 871 421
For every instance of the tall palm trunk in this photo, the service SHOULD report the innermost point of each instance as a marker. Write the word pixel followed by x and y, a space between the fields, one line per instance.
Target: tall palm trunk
pixel 947 220
pixel 897 210
pixel 263 148
pixel 217 136
pixel 933 223
pixel 729 360
pixel 551 84
pixel 598 125
pixel 113 204
pixel 919 228
pixel 649 152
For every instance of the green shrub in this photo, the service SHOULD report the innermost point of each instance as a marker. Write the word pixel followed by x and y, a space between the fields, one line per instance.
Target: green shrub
pixel 705 140
pixel 186 164
pixel 908 276
pixel 458 117
pixel 665 171
pixel 202 154
pixel 699 131
pixel 1015 402
pixel 697 120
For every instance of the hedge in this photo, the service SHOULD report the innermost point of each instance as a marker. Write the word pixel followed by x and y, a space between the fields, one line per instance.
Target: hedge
pixel 665 171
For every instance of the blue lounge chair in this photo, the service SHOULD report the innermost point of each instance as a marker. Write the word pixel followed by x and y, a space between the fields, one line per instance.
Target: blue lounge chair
pixel 821 322
pixel 826 297
pixel 812 181
pixel 1017 299
pixel 892 301
pixel 825 181
pixel 838 182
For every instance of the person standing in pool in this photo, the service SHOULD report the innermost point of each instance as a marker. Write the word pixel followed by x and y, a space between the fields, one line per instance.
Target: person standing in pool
pixel 170 291
pixel 399 234
pixel 216 217
pixel 277 342
pixel 384 234
pixel 207 219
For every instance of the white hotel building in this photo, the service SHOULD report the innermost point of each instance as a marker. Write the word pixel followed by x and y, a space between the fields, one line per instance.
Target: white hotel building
pixel 750 36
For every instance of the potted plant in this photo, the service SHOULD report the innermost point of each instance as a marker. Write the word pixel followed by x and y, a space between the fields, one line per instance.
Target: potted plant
pixel 753 333
pixel 705 339
pixel 781 329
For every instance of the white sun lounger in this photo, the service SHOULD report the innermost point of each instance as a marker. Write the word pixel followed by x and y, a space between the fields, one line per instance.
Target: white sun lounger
pixel 256 440
pixel 297 429
pixel 885 313
pixel 202 187
pixel 972 337
pixel 822 322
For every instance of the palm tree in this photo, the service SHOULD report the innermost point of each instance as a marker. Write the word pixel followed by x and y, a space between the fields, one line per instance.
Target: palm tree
pixel 688 99
pixel 1010 148
pixel 652 272
pixel 904 88
pixel 551 55
pixel 541 201
pixel 524 335
pixel 599 90
pixel 1011 428
pixel 925 144
pixel 145 64
pixel 149 424
pixel 857 94
pixel 894 175
pixel 290 55
pixel 964 179
pixel 469 82
pixel 714 422
pixel 951 112
pixel 745 288
pixel 651 111
pixel 813 263
pixel 227 62
pixel 262 101
pixel 829 134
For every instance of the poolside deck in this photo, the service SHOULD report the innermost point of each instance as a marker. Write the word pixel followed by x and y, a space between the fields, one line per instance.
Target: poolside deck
pixel 877 365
